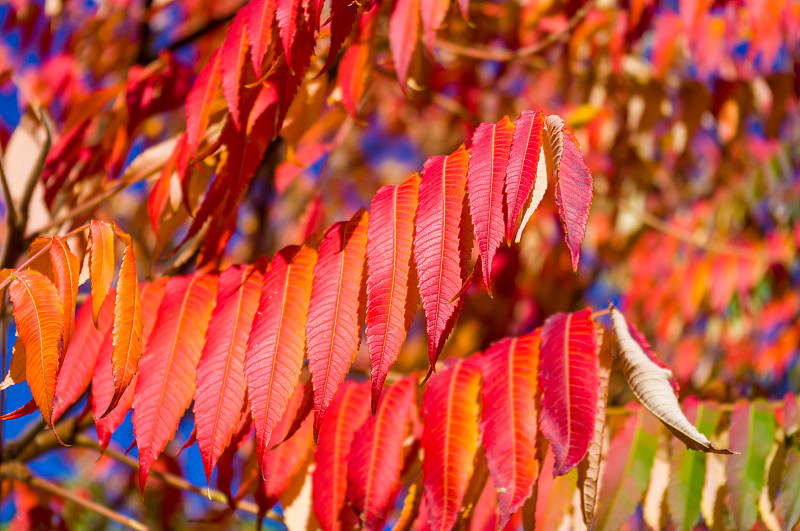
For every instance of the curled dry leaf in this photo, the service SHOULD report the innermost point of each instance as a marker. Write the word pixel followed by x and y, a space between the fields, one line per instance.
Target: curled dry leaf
pixel 589 469
pixel 651 385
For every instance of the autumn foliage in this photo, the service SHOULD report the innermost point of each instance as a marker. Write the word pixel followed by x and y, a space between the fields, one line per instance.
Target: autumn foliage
pixel 385 264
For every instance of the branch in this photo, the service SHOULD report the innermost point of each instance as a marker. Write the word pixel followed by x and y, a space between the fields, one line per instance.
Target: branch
pixel 173 480
pixel 19 472
pixel 648 219
pixel 504 55
pixel 11 214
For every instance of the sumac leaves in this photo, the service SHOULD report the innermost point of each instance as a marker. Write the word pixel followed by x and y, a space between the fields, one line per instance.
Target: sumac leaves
pixel 568 378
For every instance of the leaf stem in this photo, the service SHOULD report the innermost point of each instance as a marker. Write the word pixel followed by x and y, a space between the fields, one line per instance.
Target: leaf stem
pixel 18 471
pixel 28 262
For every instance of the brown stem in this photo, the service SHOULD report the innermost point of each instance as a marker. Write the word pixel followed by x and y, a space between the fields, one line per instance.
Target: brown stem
pixel 171 479
pixel 18 471
pixel 505 55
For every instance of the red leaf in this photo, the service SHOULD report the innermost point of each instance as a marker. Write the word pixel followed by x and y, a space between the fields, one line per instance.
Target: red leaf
pixel 81 357
pixel 573 195
pixel 159 196
pixel 127 336
pixel 102 381
pixel 491 147
pixel 39 318
pixel 329 484
pixel 21 411
pixel 569 383
pixel 343 17
pixel 296 29
pixel 509 422
pixel 450 439
pixel 233 54
pixel 200 100
pixel 356 64
pixel 335 313
pixel 376 456
pixel 433 13
pixel 66 270
pixel 522 165
pixel 274 355
pixel 306 406
pixel 403 36
pixel 389 246
pixel 437 252
pixel 258 23
pixel 101 263
pixel 221 388
pixel 168 367
pixel 280 465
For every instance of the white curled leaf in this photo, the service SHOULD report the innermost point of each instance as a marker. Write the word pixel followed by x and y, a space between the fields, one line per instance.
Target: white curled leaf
pixel 653 387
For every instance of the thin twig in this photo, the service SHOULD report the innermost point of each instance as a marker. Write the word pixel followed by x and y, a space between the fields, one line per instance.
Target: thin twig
pixel 11 213
pixel 20 472
pixel 171 479
pixel 646 218
pixel 504 55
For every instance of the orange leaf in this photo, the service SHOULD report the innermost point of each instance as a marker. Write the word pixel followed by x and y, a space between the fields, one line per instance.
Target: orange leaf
pixel 335 312
pixel 274 355
pixel 39 318
pixel 66 270
pixel 389 246
pixel 127 336
pixel 168 368
pixel 450 439
pixel 101 264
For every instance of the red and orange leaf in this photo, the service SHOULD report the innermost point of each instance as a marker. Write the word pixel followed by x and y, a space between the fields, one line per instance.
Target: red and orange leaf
pixel 573 195
pixel 221 387
pixel 39 318
pixel 101 264
pixel 403 36
pixel 450 439
pixel 433 13
pixel 200 99
pixel 20 412
pixel 489 155
pixel 106 422
pixel 233 54
pixel 376 456
pixel 568 375
pixel 335 313
pixel 509 420
pixel 522 165
pixel 437 245
pixel 259 20
pixel 81 356
pixel 356 63
pixel 274 355
pixel 389 247
pixel 346 414
pixel 127 336
pixel 66 270
pixel 168 368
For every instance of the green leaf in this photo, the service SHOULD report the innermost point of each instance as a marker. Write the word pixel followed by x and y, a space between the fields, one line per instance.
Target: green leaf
pixel 688 467
pixel 627 470
pixel 752 432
